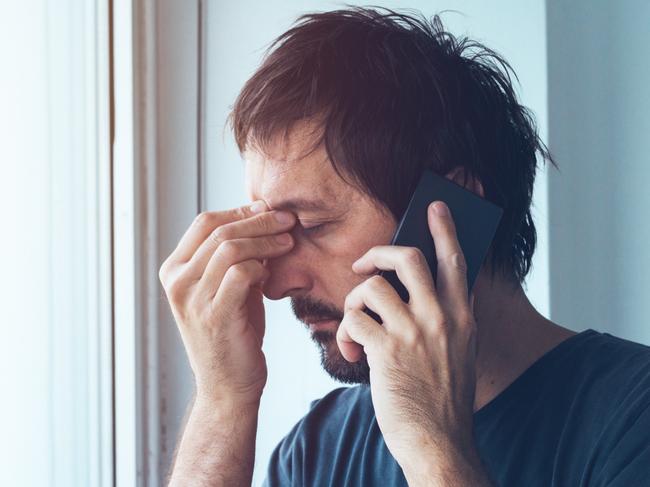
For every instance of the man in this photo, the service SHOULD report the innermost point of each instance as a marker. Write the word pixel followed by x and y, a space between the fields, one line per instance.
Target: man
pixel 335 127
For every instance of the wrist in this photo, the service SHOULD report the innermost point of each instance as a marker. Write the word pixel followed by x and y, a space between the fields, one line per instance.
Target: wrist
pixel 218 443
pixel 226 402
pixel 445 464
pixel 224 410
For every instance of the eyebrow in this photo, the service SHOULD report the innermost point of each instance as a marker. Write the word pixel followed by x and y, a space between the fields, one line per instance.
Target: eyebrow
pixel 302 204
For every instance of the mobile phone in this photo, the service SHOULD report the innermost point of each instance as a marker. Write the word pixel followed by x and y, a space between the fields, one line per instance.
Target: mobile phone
pixel 476 221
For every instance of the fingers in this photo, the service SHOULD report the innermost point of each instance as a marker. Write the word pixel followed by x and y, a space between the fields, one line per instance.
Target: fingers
pixel 357 331
pixel 233 292
pixel 426 297
pixel 452 268
pixel 231 252
pixel 203 224
pixel 378 295
pixel 226 238
pixel 264 224
pixel 411 267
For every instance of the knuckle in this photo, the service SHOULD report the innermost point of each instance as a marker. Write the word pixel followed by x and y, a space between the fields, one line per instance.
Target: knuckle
pixel 241 272
pixel 391 348
pixel 219 235
pixel 242 212
pixel 412 336
pixel 265 223
pixel 267 244
pixel 162 272
pixel 348 300
pixel 457 260
pixel 203 219
pixel 356 315
pixel 440 327
pixel 175 290
pixel 467 320
pixel 413 255
pixel 229 250
pixel 376 283
pixel 245 271
pixel 194 305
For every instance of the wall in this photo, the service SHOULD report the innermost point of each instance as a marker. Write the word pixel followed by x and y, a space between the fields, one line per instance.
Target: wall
pixel 55 364
pixel 599 102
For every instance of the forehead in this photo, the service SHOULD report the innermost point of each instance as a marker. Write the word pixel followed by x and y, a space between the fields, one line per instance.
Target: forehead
pixel 287 175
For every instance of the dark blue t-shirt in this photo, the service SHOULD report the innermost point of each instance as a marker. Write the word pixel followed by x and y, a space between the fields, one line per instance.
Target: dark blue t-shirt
pixel 578 416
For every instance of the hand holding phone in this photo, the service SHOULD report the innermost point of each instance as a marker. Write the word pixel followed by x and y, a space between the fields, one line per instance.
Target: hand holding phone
pixel 475 218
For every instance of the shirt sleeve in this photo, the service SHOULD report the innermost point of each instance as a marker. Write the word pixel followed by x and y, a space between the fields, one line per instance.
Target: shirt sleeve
pixel 279 470
pixel 284 467
pixel 628 463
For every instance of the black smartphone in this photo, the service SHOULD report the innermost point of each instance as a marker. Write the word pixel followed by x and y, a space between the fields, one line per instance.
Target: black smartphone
pixel 476 222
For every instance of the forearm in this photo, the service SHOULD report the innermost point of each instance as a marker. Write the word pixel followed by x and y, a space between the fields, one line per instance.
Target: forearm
pixel 217 447
pixel 452 467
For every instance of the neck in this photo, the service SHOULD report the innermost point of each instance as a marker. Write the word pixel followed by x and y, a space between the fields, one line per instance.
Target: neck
pixel 512 335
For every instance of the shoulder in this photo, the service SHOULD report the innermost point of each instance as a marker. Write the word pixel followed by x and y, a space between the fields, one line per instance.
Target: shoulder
pixel 608 361
pixel 597 341
pixel 619 381
pixel 314 437
pixel 329 415
pixel 620 370
pixel 589 366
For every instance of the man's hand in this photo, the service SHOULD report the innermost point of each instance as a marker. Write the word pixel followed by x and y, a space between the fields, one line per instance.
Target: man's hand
pixel 422 360
pixel 212 281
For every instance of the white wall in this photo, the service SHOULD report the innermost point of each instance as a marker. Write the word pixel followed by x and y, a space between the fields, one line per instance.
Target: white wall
pixel 599 125
pixel 236 33
pixel 24 344
pixel 55 369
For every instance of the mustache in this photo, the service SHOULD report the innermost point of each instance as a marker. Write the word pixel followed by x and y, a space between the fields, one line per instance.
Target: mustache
pixel 304 307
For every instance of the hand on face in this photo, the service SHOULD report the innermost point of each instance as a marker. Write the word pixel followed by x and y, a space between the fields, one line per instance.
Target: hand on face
pixel 212 281
pixel 422 359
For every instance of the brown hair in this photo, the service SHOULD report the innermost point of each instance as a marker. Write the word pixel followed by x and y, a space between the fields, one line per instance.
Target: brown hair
pixel 394 93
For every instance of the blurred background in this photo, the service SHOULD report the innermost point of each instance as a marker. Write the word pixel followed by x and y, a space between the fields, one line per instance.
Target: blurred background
pixel 113 138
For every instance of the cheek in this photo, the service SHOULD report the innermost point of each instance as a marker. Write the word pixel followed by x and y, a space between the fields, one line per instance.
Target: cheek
pixel 333 254
pixel 333 270
pixel 330 257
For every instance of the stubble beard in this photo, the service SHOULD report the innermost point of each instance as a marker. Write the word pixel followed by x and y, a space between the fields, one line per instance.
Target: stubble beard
pixel 335 364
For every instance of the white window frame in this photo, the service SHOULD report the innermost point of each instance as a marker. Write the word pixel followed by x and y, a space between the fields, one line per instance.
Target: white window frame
pixel 156 174
pixel 78 55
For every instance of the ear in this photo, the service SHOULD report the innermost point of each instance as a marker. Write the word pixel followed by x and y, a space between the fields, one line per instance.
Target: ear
pixel 457 175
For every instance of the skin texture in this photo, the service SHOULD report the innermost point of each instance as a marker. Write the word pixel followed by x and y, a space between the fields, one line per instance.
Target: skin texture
pixel 435 361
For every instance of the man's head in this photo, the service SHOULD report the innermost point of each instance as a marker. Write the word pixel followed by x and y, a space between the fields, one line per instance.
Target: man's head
pixel 346 111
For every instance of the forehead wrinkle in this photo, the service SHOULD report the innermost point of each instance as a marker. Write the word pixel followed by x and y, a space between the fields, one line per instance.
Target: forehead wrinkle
pixel 297 204
pixel 281 177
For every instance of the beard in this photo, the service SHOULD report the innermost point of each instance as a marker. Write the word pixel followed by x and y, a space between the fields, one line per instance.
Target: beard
pixel 335 364
pixel 330 356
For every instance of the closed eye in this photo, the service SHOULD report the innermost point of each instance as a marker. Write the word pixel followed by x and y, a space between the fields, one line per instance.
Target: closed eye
pixel 313 229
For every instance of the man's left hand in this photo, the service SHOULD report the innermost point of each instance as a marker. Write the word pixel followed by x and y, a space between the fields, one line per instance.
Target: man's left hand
pixel 422 359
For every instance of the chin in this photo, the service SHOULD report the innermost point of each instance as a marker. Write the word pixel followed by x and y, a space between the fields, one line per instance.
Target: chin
pixel 335 364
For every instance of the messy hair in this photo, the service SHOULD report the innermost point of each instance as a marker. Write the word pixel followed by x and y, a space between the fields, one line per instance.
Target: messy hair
pixel 394 94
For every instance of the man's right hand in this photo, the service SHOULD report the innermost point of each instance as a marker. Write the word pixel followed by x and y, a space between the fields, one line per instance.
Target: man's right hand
pixel 213 283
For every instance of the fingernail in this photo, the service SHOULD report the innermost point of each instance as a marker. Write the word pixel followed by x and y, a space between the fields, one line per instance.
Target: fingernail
pixel 283 238
pixel 258 207
pixel 284 217
pixel 440 208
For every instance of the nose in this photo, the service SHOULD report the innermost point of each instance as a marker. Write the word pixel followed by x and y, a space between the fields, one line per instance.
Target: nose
pixel 289 276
